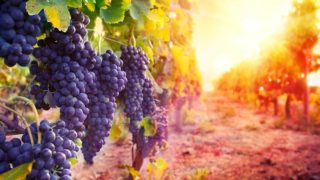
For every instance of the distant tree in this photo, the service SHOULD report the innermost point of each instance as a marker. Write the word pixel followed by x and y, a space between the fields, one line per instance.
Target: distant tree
pixel 301 34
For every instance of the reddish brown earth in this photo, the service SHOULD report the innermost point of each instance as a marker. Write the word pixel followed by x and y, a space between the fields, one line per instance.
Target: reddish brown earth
pixel 230 140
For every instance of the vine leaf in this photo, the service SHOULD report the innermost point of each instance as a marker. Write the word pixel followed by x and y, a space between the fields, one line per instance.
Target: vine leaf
pixel 56 12
pixel 17 173
pixel 73 161
pixel 181 60
pixel 133 172
pixel 140 8
pixel 115 13
pixel 90 4
pixel 103 3
pixel 74 3
pixel 115 132
pixel 157 168
pixel 159 16
pixel 35 6
pixel 149 127
pixel 78 142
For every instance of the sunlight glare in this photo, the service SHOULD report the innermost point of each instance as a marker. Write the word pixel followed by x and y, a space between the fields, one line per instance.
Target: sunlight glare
pixel 251 26
pixel 314 79
pixel 98 28
pixel 228 32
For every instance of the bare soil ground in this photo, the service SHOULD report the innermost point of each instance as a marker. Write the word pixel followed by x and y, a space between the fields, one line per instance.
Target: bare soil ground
pixel 229 139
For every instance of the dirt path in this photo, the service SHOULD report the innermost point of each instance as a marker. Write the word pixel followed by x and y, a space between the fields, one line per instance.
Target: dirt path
pixel 230 140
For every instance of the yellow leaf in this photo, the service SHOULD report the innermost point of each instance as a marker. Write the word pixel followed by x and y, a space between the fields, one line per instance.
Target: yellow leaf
pixel 17 173
pixel 158 16
pixel 115 132
pixel 90 5
pixel 181 61
pixel 58 14
pixel 133 172
pixel 149 26
pixel 157 168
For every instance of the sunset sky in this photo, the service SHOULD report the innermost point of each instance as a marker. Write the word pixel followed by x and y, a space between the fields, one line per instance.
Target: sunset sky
pixel 228 31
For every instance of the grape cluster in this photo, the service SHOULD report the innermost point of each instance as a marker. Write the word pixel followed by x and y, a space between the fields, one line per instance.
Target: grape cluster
pixel 13 153
pixel 139 101
pixel 159 116
pixel 110 81
pixel 135 65
pixel 18 32
pixel 64 72
pixel 51 156
pixel 148 103
pixel 83 84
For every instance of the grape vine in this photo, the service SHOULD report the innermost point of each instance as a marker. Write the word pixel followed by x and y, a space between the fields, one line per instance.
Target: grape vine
pixel 86 86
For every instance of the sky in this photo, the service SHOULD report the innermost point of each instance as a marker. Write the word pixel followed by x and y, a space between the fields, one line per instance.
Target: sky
pixel 229 31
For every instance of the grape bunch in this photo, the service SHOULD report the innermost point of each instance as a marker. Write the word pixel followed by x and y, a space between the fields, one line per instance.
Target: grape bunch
pixel 139 100
pixel 18 32
pixel 83 84
pixel 159 116
pixel 110 81
pixel 138 92
pixel 148 103
pixel 51 156
pixel 64 71
pixel 13 153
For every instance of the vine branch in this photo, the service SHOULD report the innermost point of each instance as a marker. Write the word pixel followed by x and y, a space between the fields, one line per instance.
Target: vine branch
pixel 34 109
pixel 23 120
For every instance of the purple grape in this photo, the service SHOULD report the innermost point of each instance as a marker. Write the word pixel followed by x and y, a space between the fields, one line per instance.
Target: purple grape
pixel 18 32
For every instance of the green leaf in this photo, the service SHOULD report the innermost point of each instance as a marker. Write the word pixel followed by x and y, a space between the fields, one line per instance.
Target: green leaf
pixel 140 8
pixel 35 6
pixel 56 11
pixel 90 4
pixel 17 173
pixel 102 3
pixel 78 142
pixel 116 12
pixel 73 161
pixel 149 126
pixel 74 3
pixel 58 14
pixel 115 132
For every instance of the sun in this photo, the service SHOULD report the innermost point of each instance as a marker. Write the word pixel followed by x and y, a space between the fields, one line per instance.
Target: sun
pixel 251 25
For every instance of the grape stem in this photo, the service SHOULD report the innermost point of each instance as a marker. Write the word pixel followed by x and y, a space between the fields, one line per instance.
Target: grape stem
pixel 107 38
pixel 22 118
pixel 132 39
pixel 115 41
pixel 34 109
